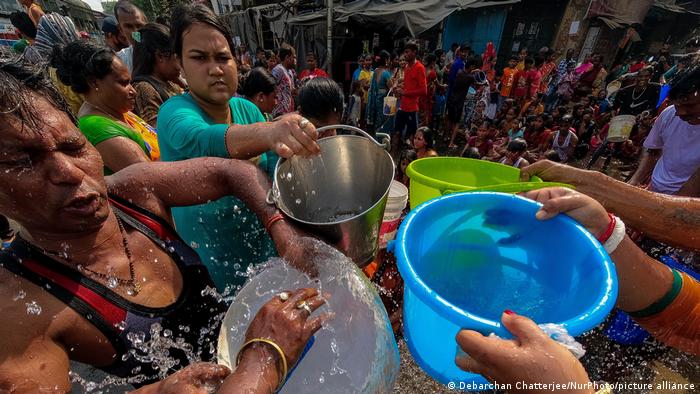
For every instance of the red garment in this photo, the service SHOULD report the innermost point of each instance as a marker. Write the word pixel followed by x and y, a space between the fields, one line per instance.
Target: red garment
pixel 427 102
pixel 484 148
pixel 534 78
pixel 636 67
pixel 317 73
pixel 546 71
pixel 520 86
pixel 415 85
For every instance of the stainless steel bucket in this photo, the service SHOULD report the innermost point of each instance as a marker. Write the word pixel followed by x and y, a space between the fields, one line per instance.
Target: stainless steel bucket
pixel 339 195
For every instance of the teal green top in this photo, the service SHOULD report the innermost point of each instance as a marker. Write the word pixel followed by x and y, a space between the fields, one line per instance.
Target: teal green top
pixel 225 233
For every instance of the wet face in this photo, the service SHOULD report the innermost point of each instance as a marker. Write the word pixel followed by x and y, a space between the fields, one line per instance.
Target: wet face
pixel 115 90
pixel 208 64
pixel 311 62
pixel 131 22
pixel 419 140
pixel 55 165
pixel 688 108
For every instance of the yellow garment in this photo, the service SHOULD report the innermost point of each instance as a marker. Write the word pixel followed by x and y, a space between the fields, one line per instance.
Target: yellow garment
pixel 148 133
pixel 365 75
pixel 74 100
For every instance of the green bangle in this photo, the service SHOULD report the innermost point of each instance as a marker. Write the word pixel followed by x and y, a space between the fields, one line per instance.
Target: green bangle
pixel 665 301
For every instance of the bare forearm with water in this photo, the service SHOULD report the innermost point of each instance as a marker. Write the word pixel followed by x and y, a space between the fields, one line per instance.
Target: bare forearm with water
pixel 256 374
pixel 669 219
pixel 646 166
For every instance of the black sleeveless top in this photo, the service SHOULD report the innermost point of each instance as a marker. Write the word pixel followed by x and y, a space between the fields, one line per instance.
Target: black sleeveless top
pixel 150 343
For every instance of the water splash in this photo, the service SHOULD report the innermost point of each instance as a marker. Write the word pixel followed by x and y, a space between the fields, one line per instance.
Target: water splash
pixel 33 308
pixel 19 296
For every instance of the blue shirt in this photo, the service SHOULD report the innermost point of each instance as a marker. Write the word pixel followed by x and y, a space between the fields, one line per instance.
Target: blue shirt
pixel 225 233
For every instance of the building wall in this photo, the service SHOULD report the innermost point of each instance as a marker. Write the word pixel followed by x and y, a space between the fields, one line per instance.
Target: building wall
pixel 476 27
pixel 575 12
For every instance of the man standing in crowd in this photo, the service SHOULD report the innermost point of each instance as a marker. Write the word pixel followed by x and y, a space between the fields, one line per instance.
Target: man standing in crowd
pixel 457 66
pixel 414 86
pixel 560 72
pixel 455 102
pixel 113 37
pixel 312 69
pixel 640 97
pixel 672 149
pixel 286 82
pixel 130 18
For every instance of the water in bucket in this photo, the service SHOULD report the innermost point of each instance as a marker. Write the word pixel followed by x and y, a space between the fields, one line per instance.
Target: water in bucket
pixel 467 257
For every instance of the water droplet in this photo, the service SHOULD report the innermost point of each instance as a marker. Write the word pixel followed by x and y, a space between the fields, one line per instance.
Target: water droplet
pixel 289 176
pixel 121 326
pixel 236 209
pixel 20 295
pixel 298 201
pixel 33 308
pixel 112 282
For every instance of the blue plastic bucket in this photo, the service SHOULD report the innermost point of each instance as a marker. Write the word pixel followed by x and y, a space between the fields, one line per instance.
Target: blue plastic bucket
pixel 467 257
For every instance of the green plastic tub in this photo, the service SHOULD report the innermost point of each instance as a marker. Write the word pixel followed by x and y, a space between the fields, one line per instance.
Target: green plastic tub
pixel 437 176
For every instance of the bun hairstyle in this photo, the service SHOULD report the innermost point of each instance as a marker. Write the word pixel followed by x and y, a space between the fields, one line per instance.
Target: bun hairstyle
pixel 258 80
pixel 80 62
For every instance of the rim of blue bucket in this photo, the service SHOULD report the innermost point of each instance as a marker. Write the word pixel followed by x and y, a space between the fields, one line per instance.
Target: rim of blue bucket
pixel 597 312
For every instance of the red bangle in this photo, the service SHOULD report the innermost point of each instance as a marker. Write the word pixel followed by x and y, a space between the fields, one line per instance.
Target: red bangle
pixel 272 220
pixel 611 227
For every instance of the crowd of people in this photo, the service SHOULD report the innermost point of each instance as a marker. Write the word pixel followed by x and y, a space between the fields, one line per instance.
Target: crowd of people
pixel 152 151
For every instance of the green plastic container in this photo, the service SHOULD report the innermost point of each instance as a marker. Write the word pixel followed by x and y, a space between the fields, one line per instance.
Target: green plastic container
pixel 436 176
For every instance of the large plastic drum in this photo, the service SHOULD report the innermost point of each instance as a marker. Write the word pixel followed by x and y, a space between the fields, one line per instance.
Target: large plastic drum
pixel 467 257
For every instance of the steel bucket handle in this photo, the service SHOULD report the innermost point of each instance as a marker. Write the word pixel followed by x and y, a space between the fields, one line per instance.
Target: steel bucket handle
pixel 386 140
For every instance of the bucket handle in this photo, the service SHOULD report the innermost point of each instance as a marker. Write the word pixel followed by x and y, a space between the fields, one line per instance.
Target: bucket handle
pixel 272 196
pixel 517 187
pixel 386 140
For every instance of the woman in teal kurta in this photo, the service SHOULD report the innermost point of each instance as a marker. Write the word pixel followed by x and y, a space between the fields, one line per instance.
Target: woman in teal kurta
pixel 207 121
pixel 378 90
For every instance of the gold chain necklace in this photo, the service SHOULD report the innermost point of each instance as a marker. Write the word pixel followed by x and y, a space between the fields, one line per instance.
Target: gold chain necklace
pixel 132 285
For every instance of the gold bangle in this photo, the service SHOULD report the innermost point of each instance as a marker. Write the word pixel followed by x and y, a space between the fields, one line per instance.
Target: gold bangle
pixel 283 377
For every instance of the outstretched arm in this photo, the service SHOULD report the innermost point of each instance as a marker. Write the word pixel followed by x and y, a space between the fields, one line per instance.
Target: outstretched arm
pixel 669 219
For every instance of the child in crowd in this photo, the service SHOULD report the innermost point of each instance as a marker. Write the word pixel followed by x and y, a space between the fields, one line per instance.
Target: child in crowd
pixel 567 84
pixel 354 110
pixel 321 102
pixel 407 156
pixel 514 154
pixel 482 141
pixel 564 140
pixel 508 79
pixel 423 142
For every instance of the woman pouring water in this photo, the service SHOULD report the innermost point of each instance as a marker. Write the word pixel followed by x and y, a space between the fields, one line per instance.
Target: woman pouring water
pixel 662 300
pixel 209 121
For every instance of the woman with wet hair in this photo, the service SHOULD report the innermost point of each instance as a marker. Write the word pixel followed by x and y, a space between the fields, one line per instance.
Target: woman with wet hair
pixel 105 118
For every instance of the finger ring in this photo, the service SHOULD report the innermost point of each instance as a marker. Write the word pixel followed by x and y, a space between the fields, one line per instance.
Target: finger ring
pixel 303 305
pixel 303 123
pixel 284 296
